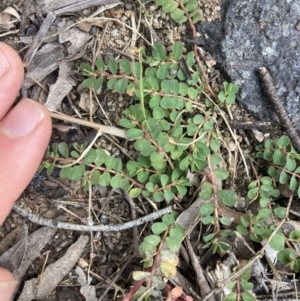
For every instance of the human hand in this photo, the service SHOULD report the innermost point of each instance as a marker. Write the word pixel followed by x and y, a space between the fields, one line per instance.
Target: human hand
pixel 25 131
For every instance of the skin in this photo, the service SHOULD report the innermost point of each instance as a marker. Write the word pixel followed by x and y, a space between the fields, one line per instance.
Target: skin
pixel 21 151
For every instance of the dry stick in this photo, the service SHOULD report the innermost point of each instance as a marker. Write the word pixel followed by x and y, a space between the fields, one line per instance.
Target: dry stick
pixel 34 218
pixel 203 285
pixel 99 127
pixel 280 111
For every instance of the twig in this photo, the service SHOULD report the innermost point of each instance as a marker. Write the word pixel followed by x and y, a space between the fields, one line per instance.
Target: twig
pixel 279 109
pixel 201 280
pixel 34 218
pixel 102 128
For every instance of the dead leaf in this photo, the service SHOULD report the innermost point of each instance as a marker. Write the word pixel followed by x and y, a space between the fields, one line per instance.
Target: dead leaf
pixel 62 87
pixel 13 257
pixel 55 272
pixel 36 242
pixel 11 11
pixel 87 290
pixel 46 60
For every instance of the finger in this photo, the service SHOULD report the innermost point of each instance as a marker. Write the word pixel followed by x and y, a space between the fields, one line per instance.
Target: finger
pixel 11 77
pixel 7 285
pixel 24 135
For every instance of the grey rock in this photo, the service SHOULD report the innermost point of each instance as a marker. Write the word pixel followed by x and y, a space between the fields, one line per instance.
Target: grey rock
pixel 256 33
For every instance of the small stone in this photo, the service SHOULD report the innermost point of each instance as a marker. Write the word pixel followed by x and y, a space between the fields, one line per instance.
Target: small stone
pixel 152 8
pixel 114 32
pixel 231 146
pixel 128 6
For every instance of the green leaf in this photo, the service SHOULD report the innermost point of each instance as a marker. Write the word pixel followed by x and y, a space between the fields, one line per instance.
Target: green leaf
pixel 206 191
pixel 290 163
pixel 177 232
pixel 293 183
pixel 228 197
pixel 104 179
pixel 221 173
pixel 158 160
pixel 100 65
pixel 64 172
pixel 101 157
pixel 158 228
pixel 158 113
pixel 134 133
pixel 76 172
pixel 280 212
pixel 173 244
pixel 112 66
pixel 125 66
pixel 111 83
pixel 225 221
pixel 86 68
pixel 133 193
pixel 178 16
pixel 144 146
pixel 90 156
pixel 95 177
pixel 162 71
pixel 193 93
pixel 143 176
pixel 158 197
pixel 168 219
pixel 248 297
pixel 268 155
pixel 98 83
pixel 155 101
pixel 283 178
pixel 169 6
pixel 191 5
pixel 177 51
pixel 139 275
pixel 283 141
pixel 242 230
pixel 278 157
pixel 116 181
pixel 252 193
pixel 184 164
pixel 196 18
pixel 125 123
pixel 164 180
pixel 63 149
pixel 152 81
pixel 121 85
pixel 159 52
pixel 88 82
pixel 272 171
pixel 277 242
pixel 215 159
pixel 285 256
pixel 230 297
pixel 206 209
pixel 182 190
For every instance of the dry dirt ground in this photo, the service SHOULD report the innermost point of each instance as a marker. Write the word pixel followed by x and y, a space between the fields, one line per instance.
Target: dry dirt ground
pixel 108 257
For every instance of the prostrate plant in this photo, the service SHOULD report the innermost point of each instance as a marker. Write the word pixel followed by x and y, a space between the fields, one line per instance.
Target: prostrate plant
pixel 160 255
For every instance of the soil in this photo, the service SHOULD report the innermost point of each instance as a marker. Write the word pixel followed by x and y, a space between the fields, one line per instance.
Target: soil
pixel 50 196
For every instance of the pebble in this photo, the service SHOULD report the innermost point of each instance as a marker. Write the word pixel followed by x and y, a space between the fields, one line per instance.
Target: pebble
pixel 114 32
pixel 128 6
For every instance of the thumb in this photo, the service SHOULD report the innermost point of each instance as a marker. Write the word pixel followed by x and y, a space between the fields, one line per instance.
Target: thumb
pixel 24 135
pixel 7 285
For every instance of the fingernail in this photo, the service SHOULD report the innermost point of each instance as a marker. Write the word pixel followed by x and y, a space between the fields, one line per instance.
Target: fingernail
pixel 4 65
pixel 22 119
